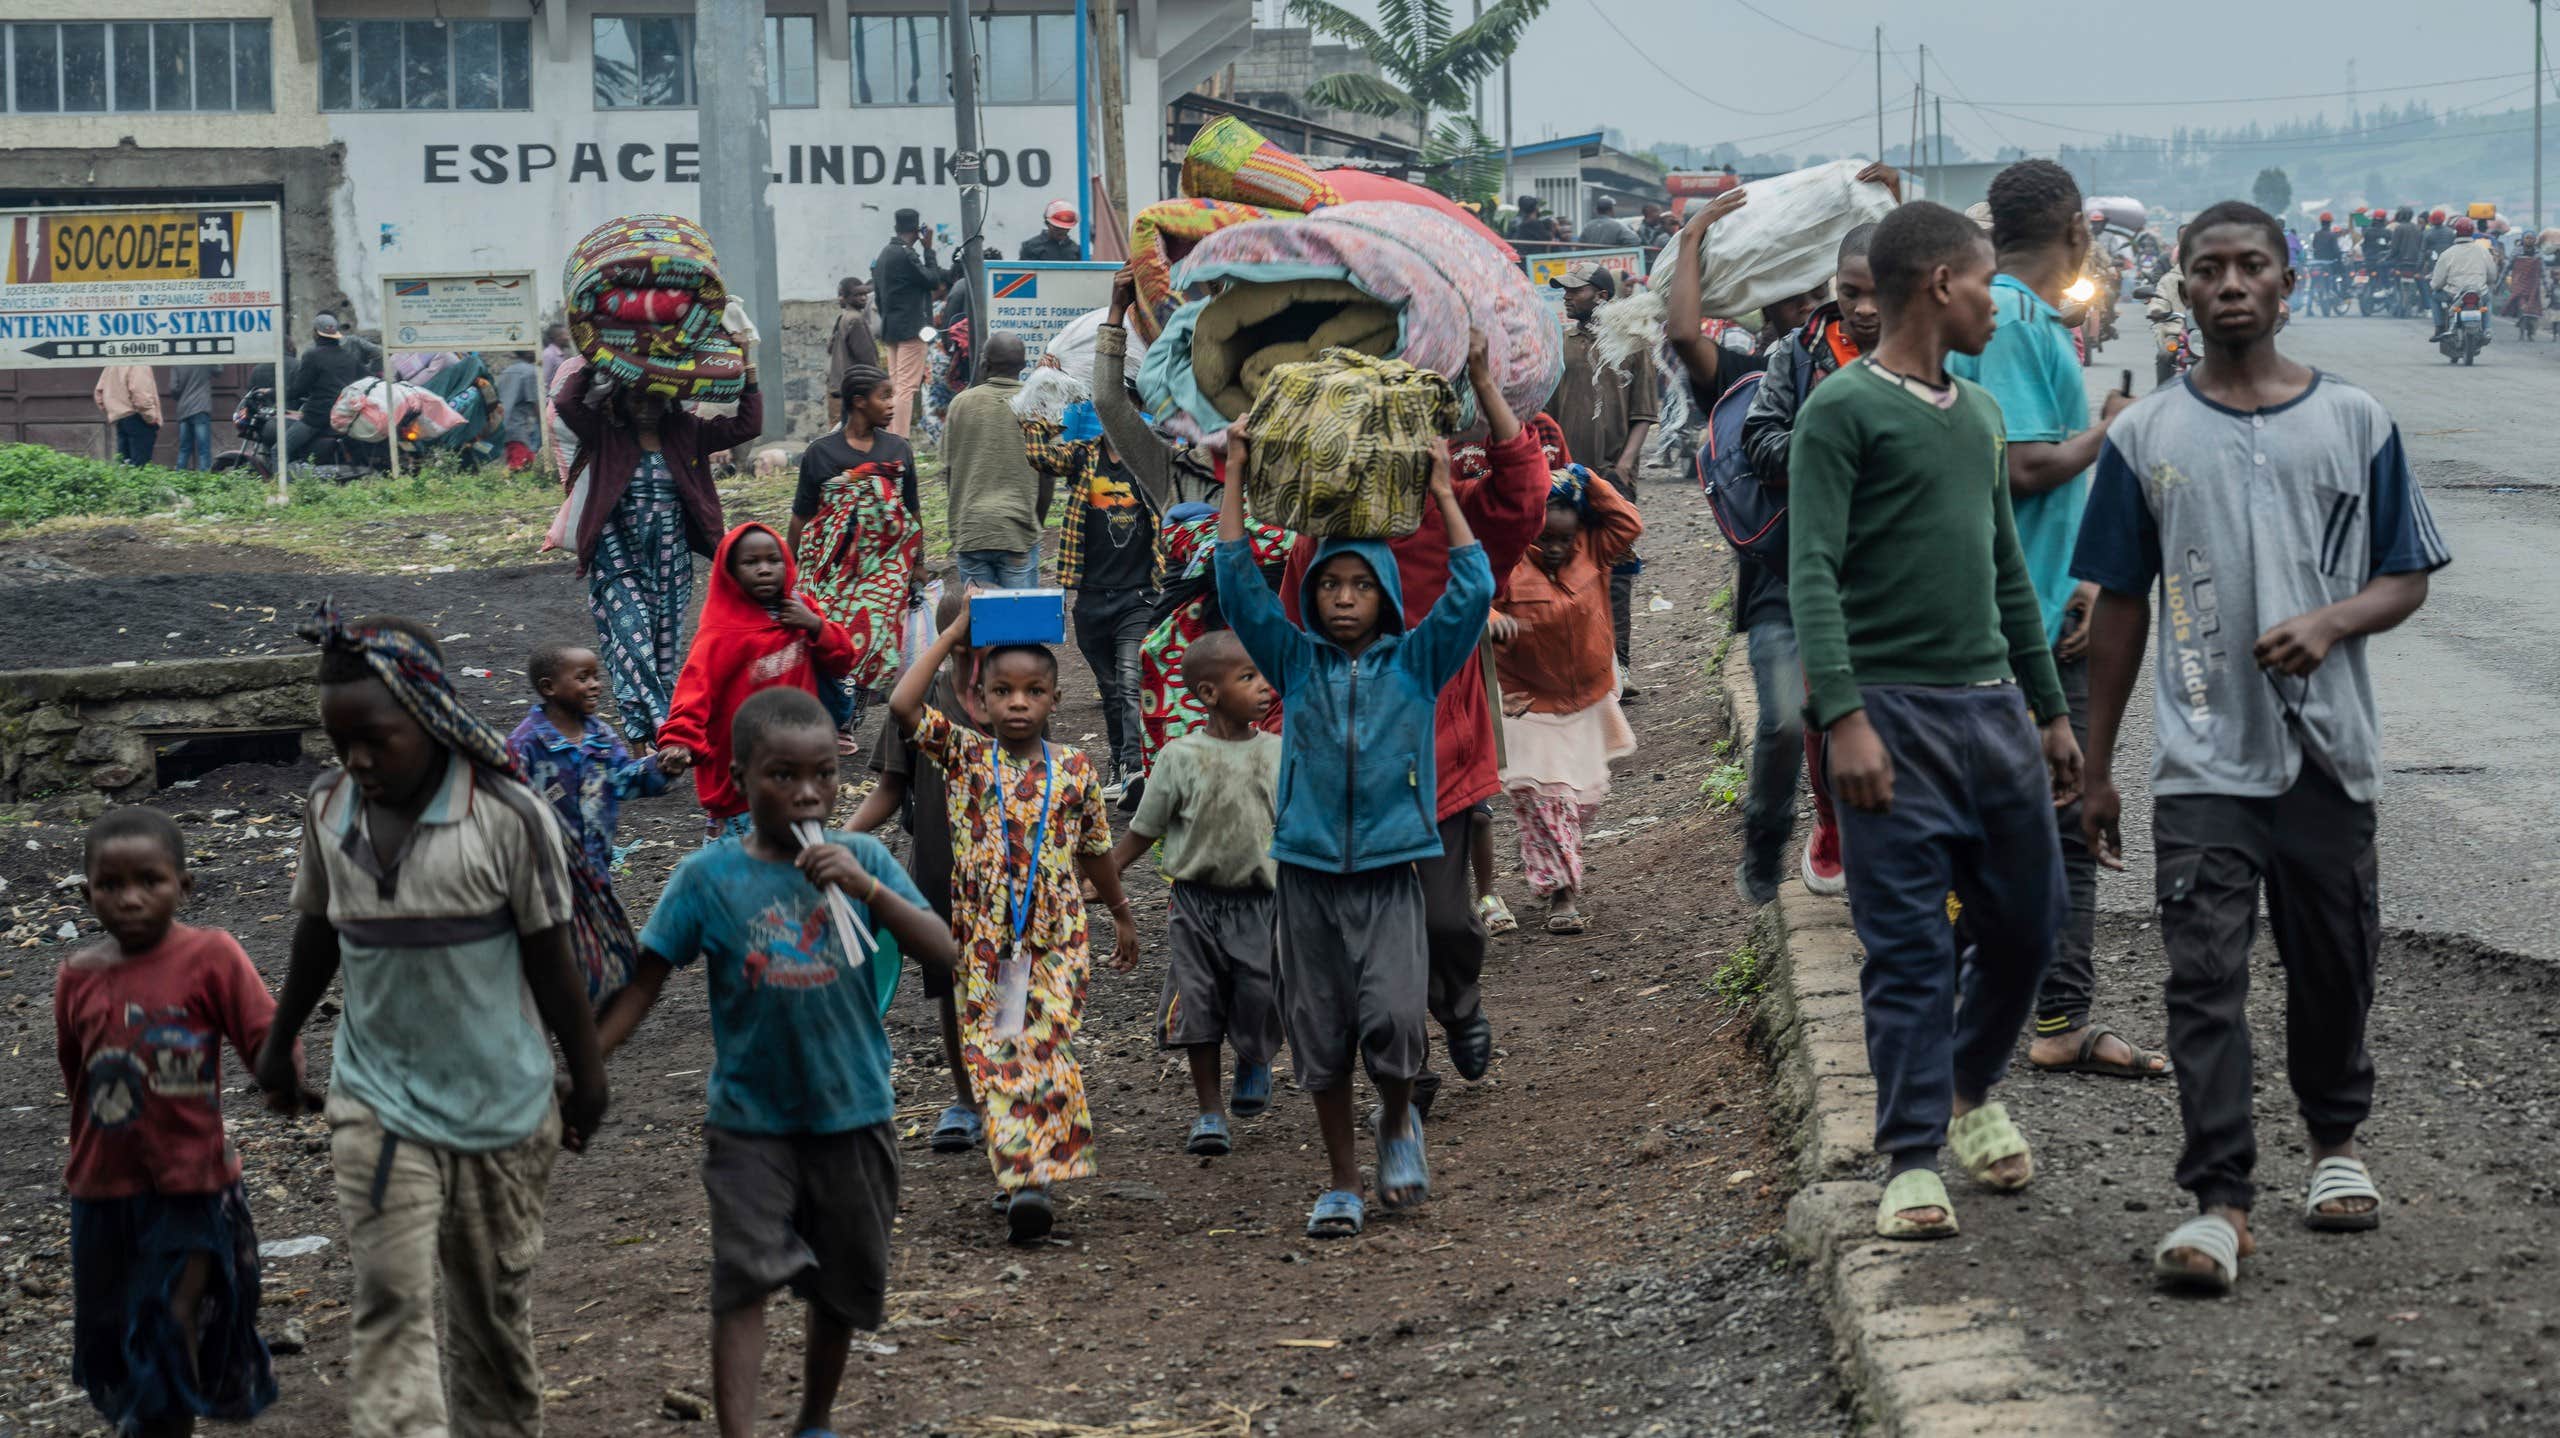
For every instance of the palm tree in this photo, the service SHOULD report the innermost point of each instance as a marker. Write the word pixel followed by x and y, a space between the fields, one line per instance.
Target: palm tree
pixel 1429 65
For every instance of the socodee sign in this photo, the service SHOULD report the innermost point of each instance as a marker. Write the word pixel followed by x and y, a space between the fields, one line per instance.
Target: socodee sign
pixel 680 162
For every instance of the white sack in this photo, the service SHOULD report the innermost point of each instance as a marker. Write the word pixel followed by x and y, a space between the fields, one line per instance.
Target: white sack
pixel 1072 347
pixel 1783 241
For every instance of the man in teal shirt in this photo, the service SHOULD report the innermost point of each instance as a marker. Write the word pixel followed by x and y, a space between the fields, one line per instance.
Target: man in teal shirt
pixel 2033 370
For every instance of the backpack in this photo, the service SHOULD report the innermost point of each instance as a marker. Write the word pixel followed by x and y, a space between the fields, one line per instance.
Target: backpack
pixel 1752 516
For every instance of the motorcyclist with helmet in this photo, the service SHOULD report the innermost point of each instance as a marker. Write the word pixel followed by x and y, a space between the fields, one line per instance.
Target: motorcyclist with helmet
pixel 2467 264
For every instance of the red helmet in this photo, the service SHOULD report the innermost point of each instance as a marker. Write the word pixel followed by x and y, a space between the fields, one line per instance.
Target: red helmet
pixel 2327 219
pixel 2462 226
pixel 2435 217
pixel 2360 209
pixel 2097 217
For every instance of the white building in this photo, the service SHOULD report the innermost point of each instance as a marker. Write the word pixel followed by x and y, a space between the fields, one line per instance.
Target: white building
pixel 422 135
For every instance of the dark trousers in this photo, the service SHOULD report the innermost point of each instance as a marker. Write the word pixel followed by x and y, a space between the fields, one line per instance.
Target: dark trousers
pixel 2063 1003
pixel 136 437
pixel 1973 813
pixel 1622 584
pixel 2311 849
pixel 1777 747
pixel 1110 625
pixel 1450 925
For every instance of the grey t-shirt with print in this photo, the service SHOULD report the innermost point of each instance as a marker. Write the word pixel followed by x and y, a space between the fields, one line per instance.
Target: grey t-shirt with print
pixel 2247 520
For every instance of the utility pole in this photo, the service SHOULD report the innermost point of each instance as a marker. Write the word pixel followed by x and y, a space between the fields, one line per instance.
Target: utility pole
pixel 1939 104
pixel 1115 163
pixel 1920 114
pixel 964 165
pixel 737 160
pixel 1479 78
pixel 1879 94
pixel 1506 127
pixel 2537 114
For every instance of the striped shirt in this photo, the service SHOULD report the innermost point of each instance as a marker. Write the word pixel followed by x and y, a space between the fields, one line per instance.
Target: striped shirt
pixel 2246 520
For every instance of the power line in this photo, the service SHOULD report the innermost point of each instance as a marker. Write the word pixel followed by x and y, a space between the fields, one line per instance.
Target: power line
pixel 2361 137
pixel 2254 99
pixel 1864 50
pixel 1685 87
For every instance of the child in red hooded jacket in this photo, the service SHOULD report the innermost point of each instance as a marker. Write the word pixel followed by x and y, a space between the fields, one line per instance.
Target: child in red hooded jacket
pixel 757 631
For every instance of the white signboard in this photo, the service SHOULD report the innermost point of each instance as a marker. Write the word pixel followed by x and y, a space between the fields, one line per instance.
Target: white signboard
pixel 1626 264
pixel 149 285
pixel 1037 300
pixel 486 310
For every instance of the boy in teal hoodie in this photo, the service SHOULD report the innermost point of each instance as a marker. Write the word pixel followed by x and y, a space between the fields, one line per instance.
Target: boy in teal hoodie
pixel 1356 808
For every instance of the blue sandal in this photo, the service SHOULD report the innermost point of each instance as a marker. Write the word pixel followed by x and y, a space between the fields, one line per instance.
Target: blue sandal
pixel 1253 1090
pixel 1403 1167
pixel 1209 1137
pixel 959 1130
pixel 1339 1214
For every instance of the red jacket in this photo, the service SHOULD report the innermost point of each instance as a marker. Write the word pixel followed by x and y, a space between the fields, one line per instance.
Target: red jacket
pixel 1506 512
pixel 739 648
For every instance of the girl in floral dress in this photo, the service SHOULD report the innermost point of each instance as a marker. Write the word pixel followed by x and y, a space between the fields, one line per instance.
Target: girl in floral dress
pixel 1027 818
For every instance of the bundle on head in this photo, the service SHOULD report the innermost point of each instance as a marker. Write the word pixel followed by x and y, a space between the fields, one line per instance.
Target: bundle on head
pixel 644 300
pixel 1342 445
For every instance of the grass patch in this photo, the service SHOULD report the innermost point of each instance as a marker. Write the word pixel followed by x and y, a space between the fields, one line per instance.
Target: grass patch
pixel 1739 981
pixel 1723 784
pixel 1722 601
pixel 1715 661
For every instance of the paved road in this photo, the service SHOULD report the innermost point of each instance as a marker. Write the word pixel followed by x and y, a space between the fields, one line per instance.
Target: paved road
pixel 2470 687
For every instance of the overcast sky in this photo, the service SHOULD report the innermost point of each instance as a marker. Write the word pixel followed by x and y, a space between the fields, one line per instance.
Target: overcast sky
pixel 1574 74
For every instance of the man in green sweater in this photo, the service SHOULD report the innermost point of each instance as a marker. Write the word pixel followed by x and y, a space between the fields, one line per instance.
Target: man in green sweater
pixel 1919 627
pixel 998 501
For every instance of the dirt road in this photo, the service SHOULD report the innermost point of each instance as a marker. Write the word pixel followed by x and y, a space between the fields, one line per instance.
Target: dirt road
pixel 1598 1256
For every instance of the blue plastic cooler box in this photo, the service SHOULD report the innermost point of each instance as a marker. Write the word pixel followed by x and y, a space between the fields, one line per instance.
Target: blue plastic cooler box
pixel 1018 616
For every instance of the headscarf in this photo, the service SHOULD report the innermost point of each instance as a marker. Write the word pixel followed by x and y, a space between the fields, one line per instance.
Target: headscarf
pixel 1570 485
pixel 600 936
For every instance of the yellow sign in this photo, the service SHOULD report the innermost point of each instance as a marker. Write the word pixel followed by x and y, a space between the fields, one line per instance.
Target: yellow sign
pixel 126 245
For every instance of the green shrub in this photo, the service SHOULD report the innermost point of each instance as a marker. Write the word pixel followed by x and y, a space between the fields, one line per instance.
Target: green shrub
pixel 1739 981
pixel 37 484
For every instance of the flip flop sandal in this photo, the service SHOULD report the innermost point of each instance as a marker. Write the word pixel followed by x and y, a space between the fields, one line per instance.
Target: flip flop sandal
pixel 1496 915
pixel 2087 1061
pixel 1984 1137
pixel 1029 1217
pixel 2211 1235
pixel 1339 1214
pixel 1471 1048
pixel 1209 1137
pixel 1568 922
pixel 959 1130
pixel 1252 1092
pixel 1403 1167
pixel 1914 1188
pixel 2336 1178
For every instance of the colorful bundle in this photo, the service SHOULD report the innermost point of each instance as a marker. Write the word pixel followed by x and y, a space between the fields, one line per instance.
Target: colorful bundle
pixel 1394 280
pixel 1342 445
pixel 363 410
pixel 644 300
pixel 1229 160
pixel 1161 237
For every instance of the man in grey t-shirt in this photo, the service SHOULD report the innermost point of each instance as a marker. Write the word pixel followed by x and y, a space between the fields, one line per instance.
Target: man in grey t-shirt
pixel 2274 507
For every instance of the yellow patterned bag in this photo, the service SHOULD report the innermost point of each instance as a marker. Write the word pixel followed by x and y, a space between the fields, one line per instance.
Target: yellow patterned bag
pixel 1341 445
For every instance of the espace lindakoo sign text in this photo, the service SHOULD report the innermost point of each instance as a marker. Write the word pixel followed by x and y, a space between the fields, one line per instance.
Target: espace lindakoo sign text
pixel 156 285
pixel 679 162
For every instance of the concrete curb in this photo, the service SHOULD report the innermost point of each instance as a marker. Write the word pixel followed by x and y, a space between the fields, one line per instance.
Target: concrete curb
pixel 1921 1369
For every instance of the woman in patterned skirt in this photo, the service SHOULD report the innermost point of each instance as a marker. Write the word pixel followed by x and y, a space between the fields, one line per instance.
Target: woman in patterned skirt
pixel 651 506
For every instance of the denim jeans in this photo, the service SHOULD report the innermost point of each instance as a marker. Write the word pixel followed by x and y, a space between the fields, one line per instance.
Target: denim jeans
pixel 1777 747
pixel 1110 625
pixel 195 442
pixel 999 568
pixel 1972 812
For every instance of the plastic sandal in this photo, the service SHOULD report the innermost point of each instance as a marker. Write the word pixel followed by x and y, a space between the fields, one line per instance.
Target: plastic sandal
pixel 1984 1137
pixel 2211 1235
pixel 1914 1188
pixel 1403 1165
pixel 2087 1061
pixel 1496 915
pixel 1471 1048
pixel 2336 1178
pixel 1029 1217
pixel 1252 1092
pixel 1339 1214
pixel 1209 1137
pixel 959 1130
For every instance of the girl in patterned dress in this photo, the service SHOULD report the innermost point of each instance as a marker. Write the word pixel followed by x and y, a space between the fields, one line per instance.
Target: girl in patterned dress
pixel 1027 818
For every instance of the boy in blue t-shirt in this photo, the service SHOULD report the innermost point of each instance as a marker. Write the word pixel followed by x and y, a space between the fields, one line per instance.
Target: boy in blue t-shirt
pixel 801 1163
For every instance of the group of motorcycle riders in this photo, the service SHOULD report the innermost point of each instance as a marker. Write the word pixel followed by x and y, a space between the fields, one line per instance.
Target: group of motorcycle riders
pixel 2400 262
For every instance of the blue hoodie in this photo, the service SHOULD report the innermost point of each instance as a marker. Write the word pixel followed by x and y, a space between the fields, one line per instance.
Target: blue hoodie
pixel 1357 787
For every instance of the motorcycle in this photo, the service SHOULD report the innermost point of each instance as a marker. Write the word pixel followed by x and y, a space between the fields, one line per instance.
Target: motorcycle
pixel 330 455
pixel 2372 291
pixel 2327 292
pixel 2466 331
pixel 2408 293
pixel 2175 346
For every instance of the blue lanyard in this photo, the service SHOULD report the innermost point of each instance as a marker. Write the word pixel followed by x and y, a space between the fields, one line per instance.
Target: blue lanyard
pixel 1020 906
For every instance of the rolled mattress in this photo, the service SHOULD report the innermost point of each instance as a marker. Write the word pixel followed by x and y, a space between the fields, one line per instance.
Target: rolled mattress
pixel 1393 280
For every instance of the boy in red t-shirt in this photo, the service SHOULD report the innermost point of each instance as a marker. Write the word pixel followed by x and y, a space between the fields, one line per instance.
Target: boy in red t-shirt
pixel 164 1263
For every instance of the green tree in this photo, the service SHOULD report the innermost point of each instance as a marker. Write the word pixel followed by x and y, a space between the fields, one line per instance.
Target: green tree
pixel 2273 192
pixel 1428 65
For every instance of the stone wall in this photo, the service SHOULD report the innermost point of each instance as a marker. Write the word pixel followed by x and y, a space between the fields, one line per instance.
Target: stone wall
pixel 72 740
